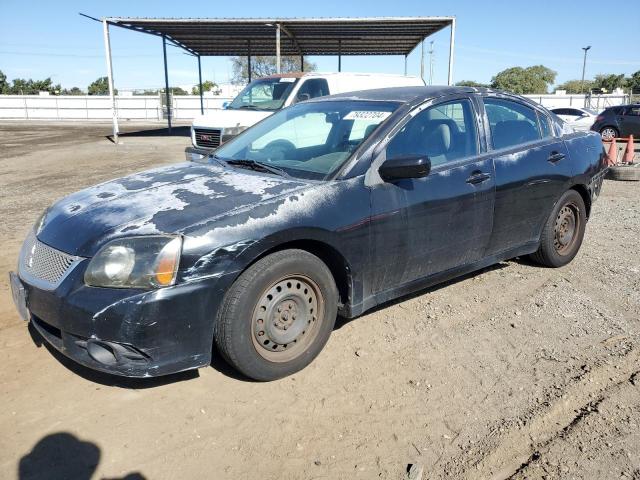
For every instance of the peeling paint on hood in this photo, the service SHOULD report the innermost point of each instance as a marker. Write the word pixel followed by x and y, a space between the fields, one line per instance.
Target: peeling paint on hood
pixel 164 200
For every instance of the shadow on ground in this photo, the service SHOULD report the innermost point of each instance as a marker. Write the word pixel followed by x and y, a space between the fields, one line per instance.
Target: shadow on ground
pixel 177 131
pixel 62 455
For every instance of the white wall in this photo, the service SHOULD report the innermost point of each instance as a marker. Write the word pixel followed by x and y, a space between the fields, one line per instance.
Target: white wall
pixel 186 107
pixel 596 102
pixel 76 107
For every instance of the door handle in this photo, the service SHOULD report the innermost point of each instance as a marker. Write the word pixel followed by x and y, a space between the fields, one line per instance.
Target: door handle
pixel 556 157
pixel 478 177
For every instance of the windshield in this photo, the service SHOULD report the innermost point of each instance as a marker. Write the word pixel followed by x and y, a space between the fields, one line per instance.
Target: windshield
pixel 309 140
pixel 264 94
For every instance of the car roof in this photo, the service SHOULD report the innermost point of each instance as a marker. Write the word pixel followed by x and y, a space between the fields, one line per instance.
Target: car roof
pixel 409 95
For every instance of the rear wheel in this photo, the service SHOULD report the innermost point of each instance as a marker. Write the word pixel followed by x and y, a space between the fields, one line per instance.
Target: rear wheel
pixel 278 315
pixel 609 133
pixel 563 232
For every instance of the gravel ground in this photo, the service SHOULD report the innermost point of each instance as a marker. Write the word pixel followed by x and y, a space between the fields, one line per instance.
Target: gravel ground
pixel 512 372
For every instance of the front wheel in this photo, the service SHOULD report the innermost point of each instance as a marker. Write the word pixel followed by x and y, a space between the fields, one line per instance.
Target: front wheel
pixel 563 231
pixel 278 315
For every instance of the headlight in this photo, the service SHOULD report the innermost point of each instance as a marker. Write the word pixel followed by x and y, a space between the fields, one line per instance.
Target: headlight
pixel 136 262
pixel 233 131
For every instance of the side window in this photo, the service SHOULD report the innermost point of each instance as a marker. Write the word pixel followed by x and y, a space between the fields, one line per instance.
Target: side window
pixel 511 123
pixel 545 128
pixel 312 88
pixel 633 111
pixel 444 132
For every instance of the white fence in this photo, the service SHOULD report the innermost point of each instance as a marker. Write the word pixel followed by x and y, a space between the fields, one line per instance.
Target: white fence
pixel 595 102
pixel 76 107
pixel 186 107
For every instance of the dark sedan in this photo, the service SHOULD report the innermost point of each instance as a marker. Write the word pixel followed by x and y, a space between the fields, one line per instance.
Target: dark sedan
pixel 620 121
pixel 327 208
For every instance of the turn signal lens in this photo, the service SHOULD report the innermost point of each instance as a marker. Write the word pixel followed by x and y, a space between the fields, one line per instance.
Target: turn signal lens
pixel 167 263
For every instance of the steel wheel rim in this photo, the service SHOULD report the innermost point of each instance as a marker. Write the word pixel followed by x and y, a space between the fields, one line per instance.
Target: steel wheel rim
pixel 608 134
pixel 566 229
pixel 287 318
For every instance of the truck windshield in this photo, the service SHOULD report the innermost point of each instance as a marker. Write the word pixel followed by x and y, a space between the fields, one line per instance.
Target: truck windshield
pixel 264 94
pixel 309 140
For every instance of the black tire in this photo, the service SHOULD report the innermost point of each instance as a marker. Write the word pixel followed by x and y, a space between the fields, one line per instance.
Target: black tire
pixel 297 296
pixel 627 173
pixel 563 231
pixel 608 133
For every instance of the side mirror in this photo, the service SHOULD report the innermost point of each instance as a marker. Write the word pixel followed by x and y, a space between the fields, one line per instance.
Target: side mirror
pixel 301 97
pixel 407 166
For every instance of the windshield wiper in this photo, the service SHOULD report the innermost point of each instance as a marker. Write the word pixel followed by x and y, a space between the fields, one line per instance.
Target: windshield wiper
pixel 258 166
pixel 249 105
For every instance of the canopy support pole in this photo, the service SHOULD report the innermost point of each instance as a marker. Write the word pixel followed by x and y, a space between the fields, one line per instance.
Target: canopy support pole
pixel 249 60
pixel 277 48
pixel 405 65
pixel 451 47
pixel 200 84
pixel 339 55
pixel 112 97
pixel 166 82
pixel 302 63
pixel 422 60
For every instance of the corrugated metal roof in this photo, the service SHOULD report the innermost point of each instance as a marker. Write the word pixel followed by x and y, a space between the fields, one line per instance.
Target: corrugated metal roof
pixel 299 36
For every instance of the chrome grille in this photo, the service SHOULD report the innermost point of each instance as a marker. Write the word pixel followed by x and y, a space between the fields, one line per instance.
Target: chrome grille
pixel 43 265
pixel 207 138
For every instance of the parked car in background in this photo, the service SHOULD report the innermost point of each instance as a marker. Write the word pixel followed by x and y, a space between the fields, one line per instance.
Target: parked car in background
pixel 619 121
pixel 578 118
pixel 264 96
pixel 334 205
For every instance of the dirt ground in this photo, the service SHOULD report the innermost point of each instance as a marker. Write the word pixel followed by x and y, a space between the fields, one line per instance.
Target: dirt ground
pixel 513 372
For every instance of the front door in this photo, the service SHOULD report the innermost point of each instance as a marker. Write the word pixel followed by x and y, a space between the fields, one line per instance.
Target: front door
pixel 424 226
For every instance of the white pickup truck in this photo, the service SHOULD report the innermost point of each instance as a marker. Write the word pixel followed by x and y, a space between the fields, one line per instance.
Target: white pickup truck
pixel 265 96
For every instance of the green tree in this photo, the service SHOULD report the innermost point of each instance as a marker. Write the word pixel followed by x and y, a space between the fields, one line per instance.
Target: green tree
pixel 4 85
pixel 99 87
pixel 207 86
pixel 535 79
pixel 72 91
pixel 177 91
pixel 575 86
pixel 633 81
pixel 21 86
pixel 471 83
pixel 263 66
pixel 609 82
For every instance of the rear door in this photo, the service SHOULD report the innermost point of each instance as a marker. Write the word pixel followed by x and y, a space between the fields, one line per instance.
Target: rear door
pixel 532 170
pixel 428 225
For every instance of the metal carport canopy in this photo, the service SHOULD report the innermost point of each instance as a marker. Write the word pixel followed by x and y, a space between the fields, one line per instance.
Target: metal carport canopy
pixel 281 36
pixel 301 36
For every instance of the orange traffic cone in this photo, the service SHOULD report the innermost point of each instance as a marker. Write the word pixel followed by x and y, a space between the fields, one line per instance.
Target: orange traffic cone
pixel 613 152
pixel 629 152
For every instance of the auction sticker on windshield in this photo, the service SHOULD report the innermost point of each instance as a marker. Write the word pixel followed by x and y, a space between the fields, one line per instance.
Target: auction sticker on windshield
pixel 366 115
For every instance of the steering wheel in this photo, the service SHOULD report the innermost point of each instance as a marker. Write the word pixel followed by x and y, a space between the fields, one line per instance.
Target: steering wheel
pixel 278 149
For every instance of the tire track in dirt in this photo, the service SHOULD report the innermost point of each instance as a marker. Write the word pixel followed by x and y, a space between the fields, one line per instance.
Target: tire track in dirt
pixel 509 453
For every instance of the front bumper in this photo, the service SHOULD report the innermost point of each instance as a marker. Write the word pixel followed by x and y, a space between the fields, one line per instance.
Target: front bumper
pixel 133 333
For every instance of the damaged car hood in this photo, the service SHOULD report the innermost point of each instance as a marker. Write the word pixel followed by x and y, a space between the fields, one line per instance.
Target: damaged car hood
pixel 161 201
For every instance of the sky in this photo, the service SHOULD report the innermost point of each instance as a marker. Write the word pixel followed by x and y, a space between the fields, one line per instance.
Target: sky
pixel 40 39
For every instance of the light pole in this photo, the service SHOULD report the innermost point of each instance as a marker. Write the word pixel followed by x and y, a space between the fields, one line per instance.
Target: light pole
pixel 584 65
